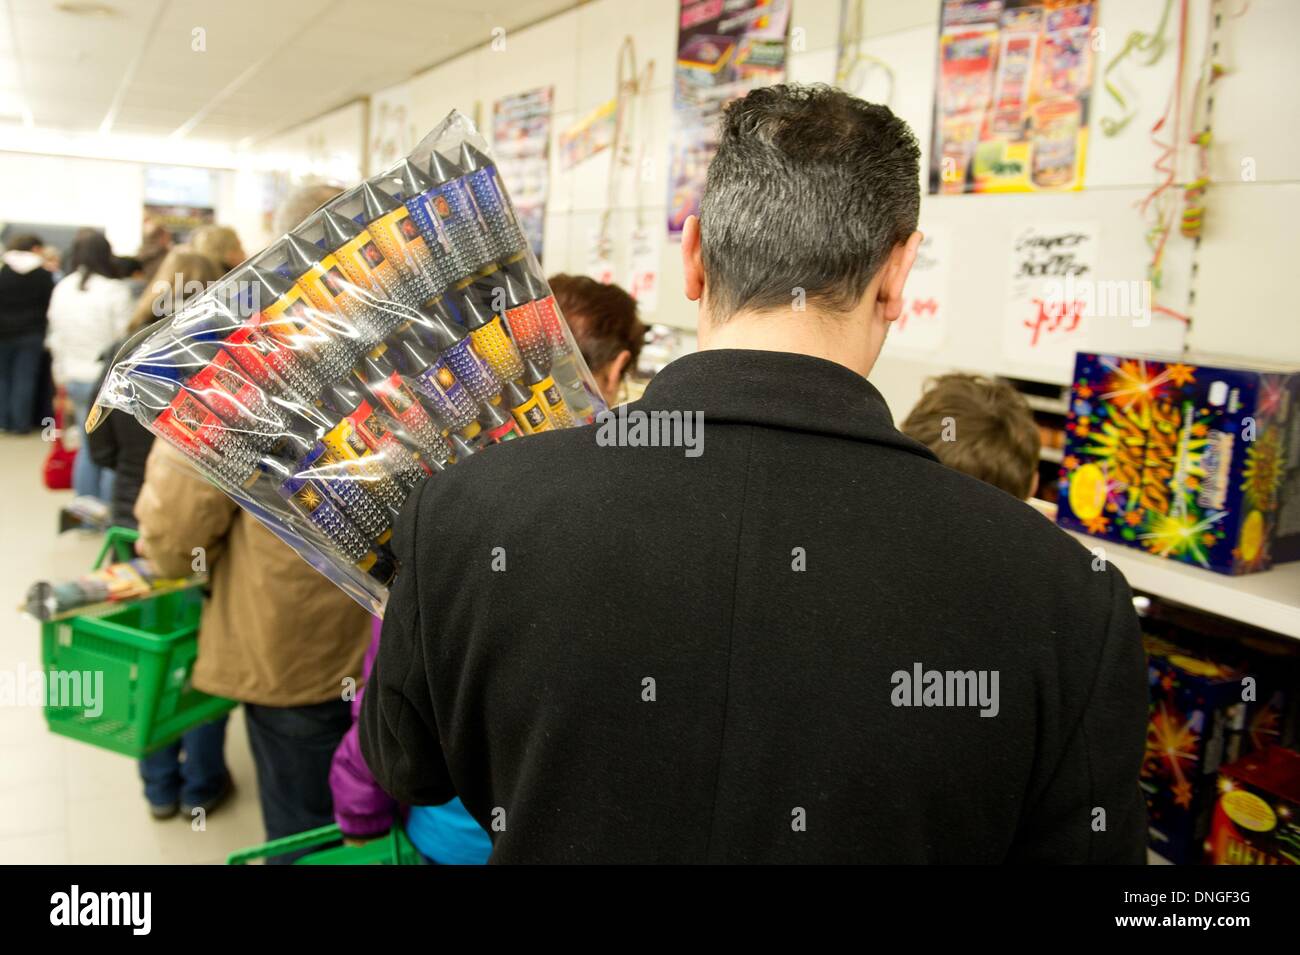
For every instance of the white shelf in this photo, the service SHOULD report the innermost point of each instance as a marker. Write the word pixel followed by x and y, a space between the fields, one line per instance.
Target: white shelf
pixel 1059 406
pixel 1055 455
pixel 1270 599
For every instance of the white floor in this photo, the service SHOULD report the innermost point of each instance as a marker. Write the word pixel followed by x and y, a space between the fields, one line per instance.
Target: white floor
pixel 67 802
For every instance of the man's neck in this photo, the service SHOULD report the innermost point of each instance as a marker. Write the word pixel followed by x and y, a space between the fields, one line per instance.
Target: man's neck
pixel 845 339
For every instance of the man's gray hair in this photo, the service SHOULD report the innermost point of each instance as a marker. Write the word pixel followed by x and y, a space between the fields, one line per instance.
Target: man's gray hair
pixel 811 189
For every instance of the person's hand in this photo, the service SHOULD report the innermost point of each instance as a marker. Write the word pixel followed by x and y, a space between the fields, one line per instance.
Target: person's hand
pixel 356 842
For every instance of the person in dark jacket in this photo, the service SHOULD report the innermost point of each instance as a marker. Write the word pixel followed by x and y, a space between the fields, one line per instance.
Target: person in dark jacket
pixel 121 443
pixel 783 631
pixel 25 287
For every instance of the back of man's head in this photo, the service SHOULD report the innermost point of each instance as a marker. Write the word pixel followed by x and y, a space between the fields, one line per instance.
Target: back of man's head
pixel 811 189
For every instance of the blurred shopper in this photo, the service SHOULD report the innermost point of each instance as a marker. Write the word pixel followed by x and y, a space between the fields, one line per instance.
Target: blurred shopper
pixel 763 682
pixel 121 443
pixel 25 287
pixel 200 780
pixel 275 634
pixel 219 243
pixel 54 261
pixel 604 322
pixel 305 199
pixel 155 242
pixel 446 834
pixel 131 270
pixel 89 310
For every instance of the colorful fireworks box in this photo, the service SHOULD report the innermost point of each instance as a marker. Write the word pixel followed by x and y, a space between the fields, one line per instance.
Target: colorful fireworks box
pixel 1196 462
pixel 1195 724
pixel 1257 818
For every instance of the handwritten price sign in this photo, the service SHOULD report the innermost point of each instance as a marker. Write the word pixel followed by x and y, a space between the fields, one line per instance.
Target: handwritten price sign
pixel 1054 318
pixel 920 307
pixel 1046 320
pixel 923 323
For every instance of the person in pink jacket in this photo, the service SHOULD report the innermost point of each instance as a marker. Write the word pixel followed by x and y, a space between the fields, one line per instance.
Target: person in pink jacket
pixel 446 835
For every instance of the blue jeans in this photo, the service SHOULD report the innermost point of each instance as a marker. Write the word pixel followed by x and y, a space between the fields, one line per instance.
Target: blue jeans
pixel 88 478
pixel 292 750
pixel 20 371
pixel 197 778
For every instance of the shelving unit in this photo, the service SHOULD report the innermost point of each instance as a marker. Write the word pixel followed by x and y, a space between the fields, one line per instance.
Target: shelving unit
pixel 1270 600
pixel 1050 404
pixel 1055 406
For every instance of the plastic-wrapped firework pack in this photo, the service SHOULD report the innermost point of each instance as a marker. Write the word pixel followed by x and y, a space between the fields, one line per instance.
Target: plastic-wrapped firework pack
pixel 398 329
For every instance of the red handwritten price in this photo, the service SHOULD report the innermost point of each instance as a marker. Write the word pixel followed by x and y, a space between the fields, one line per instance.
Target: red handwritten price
pixel 1054 317
pixel 643 284
pixel 918 307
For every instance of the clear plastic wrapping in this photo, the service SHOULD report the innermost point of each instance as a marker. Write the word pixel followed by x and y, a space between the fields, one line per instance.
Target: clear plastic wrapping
pixel 399 328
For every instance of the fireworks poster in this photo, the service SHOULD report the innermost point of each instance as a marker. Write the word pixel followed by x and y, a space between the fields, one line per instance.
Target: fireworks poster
pixel 592 134
pixel 1013 87
pixel 725 48
pixel 521 138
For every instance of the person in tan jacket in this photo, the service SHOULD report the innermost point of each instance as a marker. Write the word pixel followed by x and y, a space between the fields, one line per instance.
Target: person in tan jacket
pixel 275 635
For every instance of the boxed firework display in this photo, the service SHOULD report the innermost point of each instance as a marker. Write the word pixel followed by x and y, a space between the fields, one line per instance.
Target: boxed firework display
pixel 1193 461
pixel 1196 717
pixel 1257 817
pixel 401 327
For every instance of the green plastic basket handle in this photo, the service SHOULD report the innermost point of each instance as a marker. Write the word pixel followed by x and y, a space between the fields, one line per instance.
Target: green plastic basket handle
pixel 302 840
pixel 119 541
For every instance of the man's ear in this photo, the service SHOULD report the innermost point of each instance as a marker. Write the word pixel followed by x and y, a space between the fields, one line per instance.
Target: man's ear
pixel 894 274
pixel 611 375
pixel 692 267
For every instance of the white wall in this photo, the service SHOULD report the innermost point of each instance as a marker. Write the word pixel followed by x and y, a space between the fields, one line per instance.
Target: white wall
pixel 75 192
pixel 1242 261
pixel 107 194
pixel 331 147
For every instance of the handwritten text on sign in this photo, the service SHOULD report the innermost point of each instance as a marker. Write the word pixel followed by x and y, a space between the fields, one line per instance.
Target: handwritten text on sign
pixel 1051 264
pixel 922 324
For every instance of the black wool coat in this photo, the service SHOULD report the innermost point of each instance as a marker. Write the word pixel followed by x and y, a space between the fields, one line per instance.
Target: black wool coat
pixel 732 657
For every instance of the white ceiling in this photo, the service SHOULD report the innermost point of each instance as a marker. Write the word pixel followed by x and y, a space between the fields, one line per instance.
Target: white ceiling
pixel 268 64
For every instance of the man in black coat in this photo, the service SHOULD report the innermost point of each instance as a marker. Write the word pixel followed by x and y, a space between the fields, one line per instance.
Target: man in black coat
pixel 781 631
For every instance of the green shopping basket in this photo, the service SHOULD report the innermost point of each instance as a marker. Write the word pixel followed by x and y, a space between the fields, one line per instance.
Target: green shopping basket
pixel 145 650
pixel 392 848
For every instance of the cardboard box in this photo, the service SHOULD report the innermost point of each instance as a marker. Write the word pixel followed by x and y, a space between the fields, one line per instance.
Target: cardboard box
pixel 1195 461
pixel 1196 721
pixel 1257 816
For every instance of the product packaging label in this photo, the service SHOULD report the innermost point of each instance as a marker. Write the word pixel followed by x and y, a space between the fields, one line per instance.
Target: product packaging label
pixel 532 417
pixel 233 395
pixel 366 266
pixel 448 395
